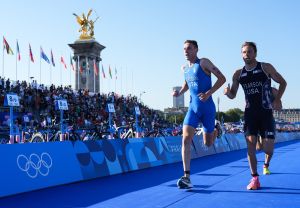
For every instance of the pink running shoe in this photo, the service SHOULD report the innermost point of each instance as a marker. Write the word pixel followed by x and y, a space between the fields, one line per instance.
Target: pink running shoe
pixel 254 183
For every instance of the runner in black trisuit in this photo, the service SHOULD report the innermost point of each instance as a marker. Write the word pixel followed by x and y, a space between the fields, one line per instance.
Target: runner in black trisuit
pixel 255 78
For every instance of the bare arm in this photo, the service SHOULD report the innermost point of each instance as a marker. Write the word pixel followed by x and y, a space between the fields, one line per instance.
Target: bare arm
pixel 231 92
pixel 183 89
pixel 209 67
pixel 271 71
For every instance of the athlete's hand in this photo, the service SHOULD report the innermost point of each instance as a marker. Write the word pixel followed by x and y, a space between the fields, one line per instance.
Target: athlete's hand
pixel 203 96
pixel 227 90
pixel 175 93
pixel 277 105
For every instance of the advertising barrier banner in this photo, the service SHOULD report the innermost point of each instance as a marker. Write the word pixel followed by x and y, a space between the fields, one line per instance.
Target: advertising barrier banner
pixel 32 166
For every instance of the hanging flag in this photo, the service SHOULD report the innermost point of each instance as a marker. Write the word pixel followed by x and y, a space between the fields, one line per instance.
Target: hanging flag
pixel 71 63
pixel 81 69
pixel 116 72
pixel 52 59
pixel 7 47
pixel 109 71
pixel 63 62
pixel 18 51
pixel 88 66
pixel 30 53
pixel 44 56
pixel 96 70
pixel 103 73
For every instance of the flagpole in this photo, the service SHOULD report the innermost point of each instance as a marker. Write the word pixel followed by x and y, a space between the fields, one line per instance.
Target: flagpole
pixel 131 82
pixel 94 76
pixel 109 89
pixel 50 67
pixel 103 79
pixel 86 73
pixel 3 63
pixel 126 81
pixel 52 63
pixel 70 78
pixel 108 84
pixel 99 77
pixel 40 67
pixel 28 69
pixel 16 67
pixel 70 73
pixel 121 81
pixel 78 71
pixel 60 70
pixel 17 63
pixel 29 64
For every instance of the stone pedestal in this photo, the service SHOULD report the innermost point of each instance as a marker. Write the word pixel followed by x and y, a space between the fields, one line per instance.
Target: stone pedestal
pixel 87 55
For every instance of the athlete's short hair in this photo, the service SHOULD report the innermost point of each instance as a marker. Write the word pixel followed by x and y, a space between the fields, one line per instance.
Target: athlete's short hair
pixel 193 42
pixel 251 44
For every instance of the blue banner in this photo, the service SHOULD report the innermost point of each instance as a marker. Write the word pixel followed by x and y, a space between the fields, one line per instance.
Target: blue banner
pixel 235 141
pixel 221 145
pixel 32 166
pixel 201 148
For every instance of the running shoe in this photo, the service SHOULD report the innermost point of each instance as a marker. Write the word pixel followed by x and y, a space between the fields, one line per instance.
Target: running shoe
pixel 184 183
pixel 266 170
pixel 219 129
pixel 254 183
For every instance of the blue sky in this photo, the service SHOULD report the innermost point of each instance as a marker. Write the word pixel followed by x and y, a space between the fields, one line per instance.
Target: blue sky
pixel 144 41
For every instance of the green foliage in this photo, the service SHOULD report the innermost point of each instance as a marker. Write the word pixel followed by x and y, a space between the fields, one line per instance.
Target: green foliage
pixel 233 115
pixel 175 118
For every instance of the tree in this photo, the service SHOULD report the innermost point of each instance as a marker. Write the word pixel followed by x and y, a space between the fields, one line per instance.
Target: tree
pixel 222 115
pixel 233 115
pixel 171 118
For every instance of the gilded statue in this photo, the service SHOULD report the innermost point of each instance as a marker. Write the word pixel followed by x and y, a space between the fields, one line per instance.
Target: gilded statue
pixel 86 25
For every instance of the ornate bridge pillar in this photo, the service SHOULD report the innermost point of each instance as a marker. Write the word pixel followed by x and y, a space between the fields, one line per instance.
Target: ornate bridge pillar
pixel 87 55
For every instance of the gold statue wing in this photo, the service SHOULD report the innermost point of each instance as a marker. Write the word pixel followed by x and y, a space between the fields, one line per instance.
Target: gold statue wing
pixel 89 13
pixel 79 19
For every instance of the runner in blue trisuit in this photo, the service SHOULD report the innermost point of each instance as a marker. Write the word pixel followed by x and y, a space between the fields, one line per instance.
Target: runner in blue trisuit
pixel 197 75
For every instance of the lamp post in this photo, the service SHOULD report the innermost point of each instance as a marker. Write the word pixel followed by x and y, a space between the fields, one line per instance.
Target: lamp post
pixel 141 93
pixel 31 79
pixel 34 88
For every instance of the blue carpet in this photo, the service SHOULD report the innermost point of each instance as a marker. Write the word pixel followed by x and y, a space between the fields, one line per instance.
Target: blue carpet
pixel 219 181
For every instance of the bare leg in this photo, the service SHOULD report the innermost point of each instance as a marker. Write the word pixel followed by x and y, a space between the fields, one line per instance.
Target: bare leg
pixel 188 134
pixel 11 139
pixel 251 143
pixel 259 144
pixel 209 138
pixel 268 147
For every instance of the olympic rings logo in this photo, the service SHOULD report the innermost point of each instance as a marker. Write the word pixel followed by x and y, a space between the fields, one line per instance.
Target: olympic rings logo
pixel 35 164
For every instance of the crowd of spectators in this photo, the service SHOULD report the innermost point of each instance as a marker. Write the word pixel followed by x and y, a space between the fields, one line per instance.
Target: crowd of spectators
pixel 287 127
pixel 85 108
pixel 233 128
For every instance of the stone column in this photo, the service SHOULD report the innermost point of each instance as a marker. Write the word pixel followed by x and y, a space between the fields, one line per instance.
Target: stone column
pixel 85 53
